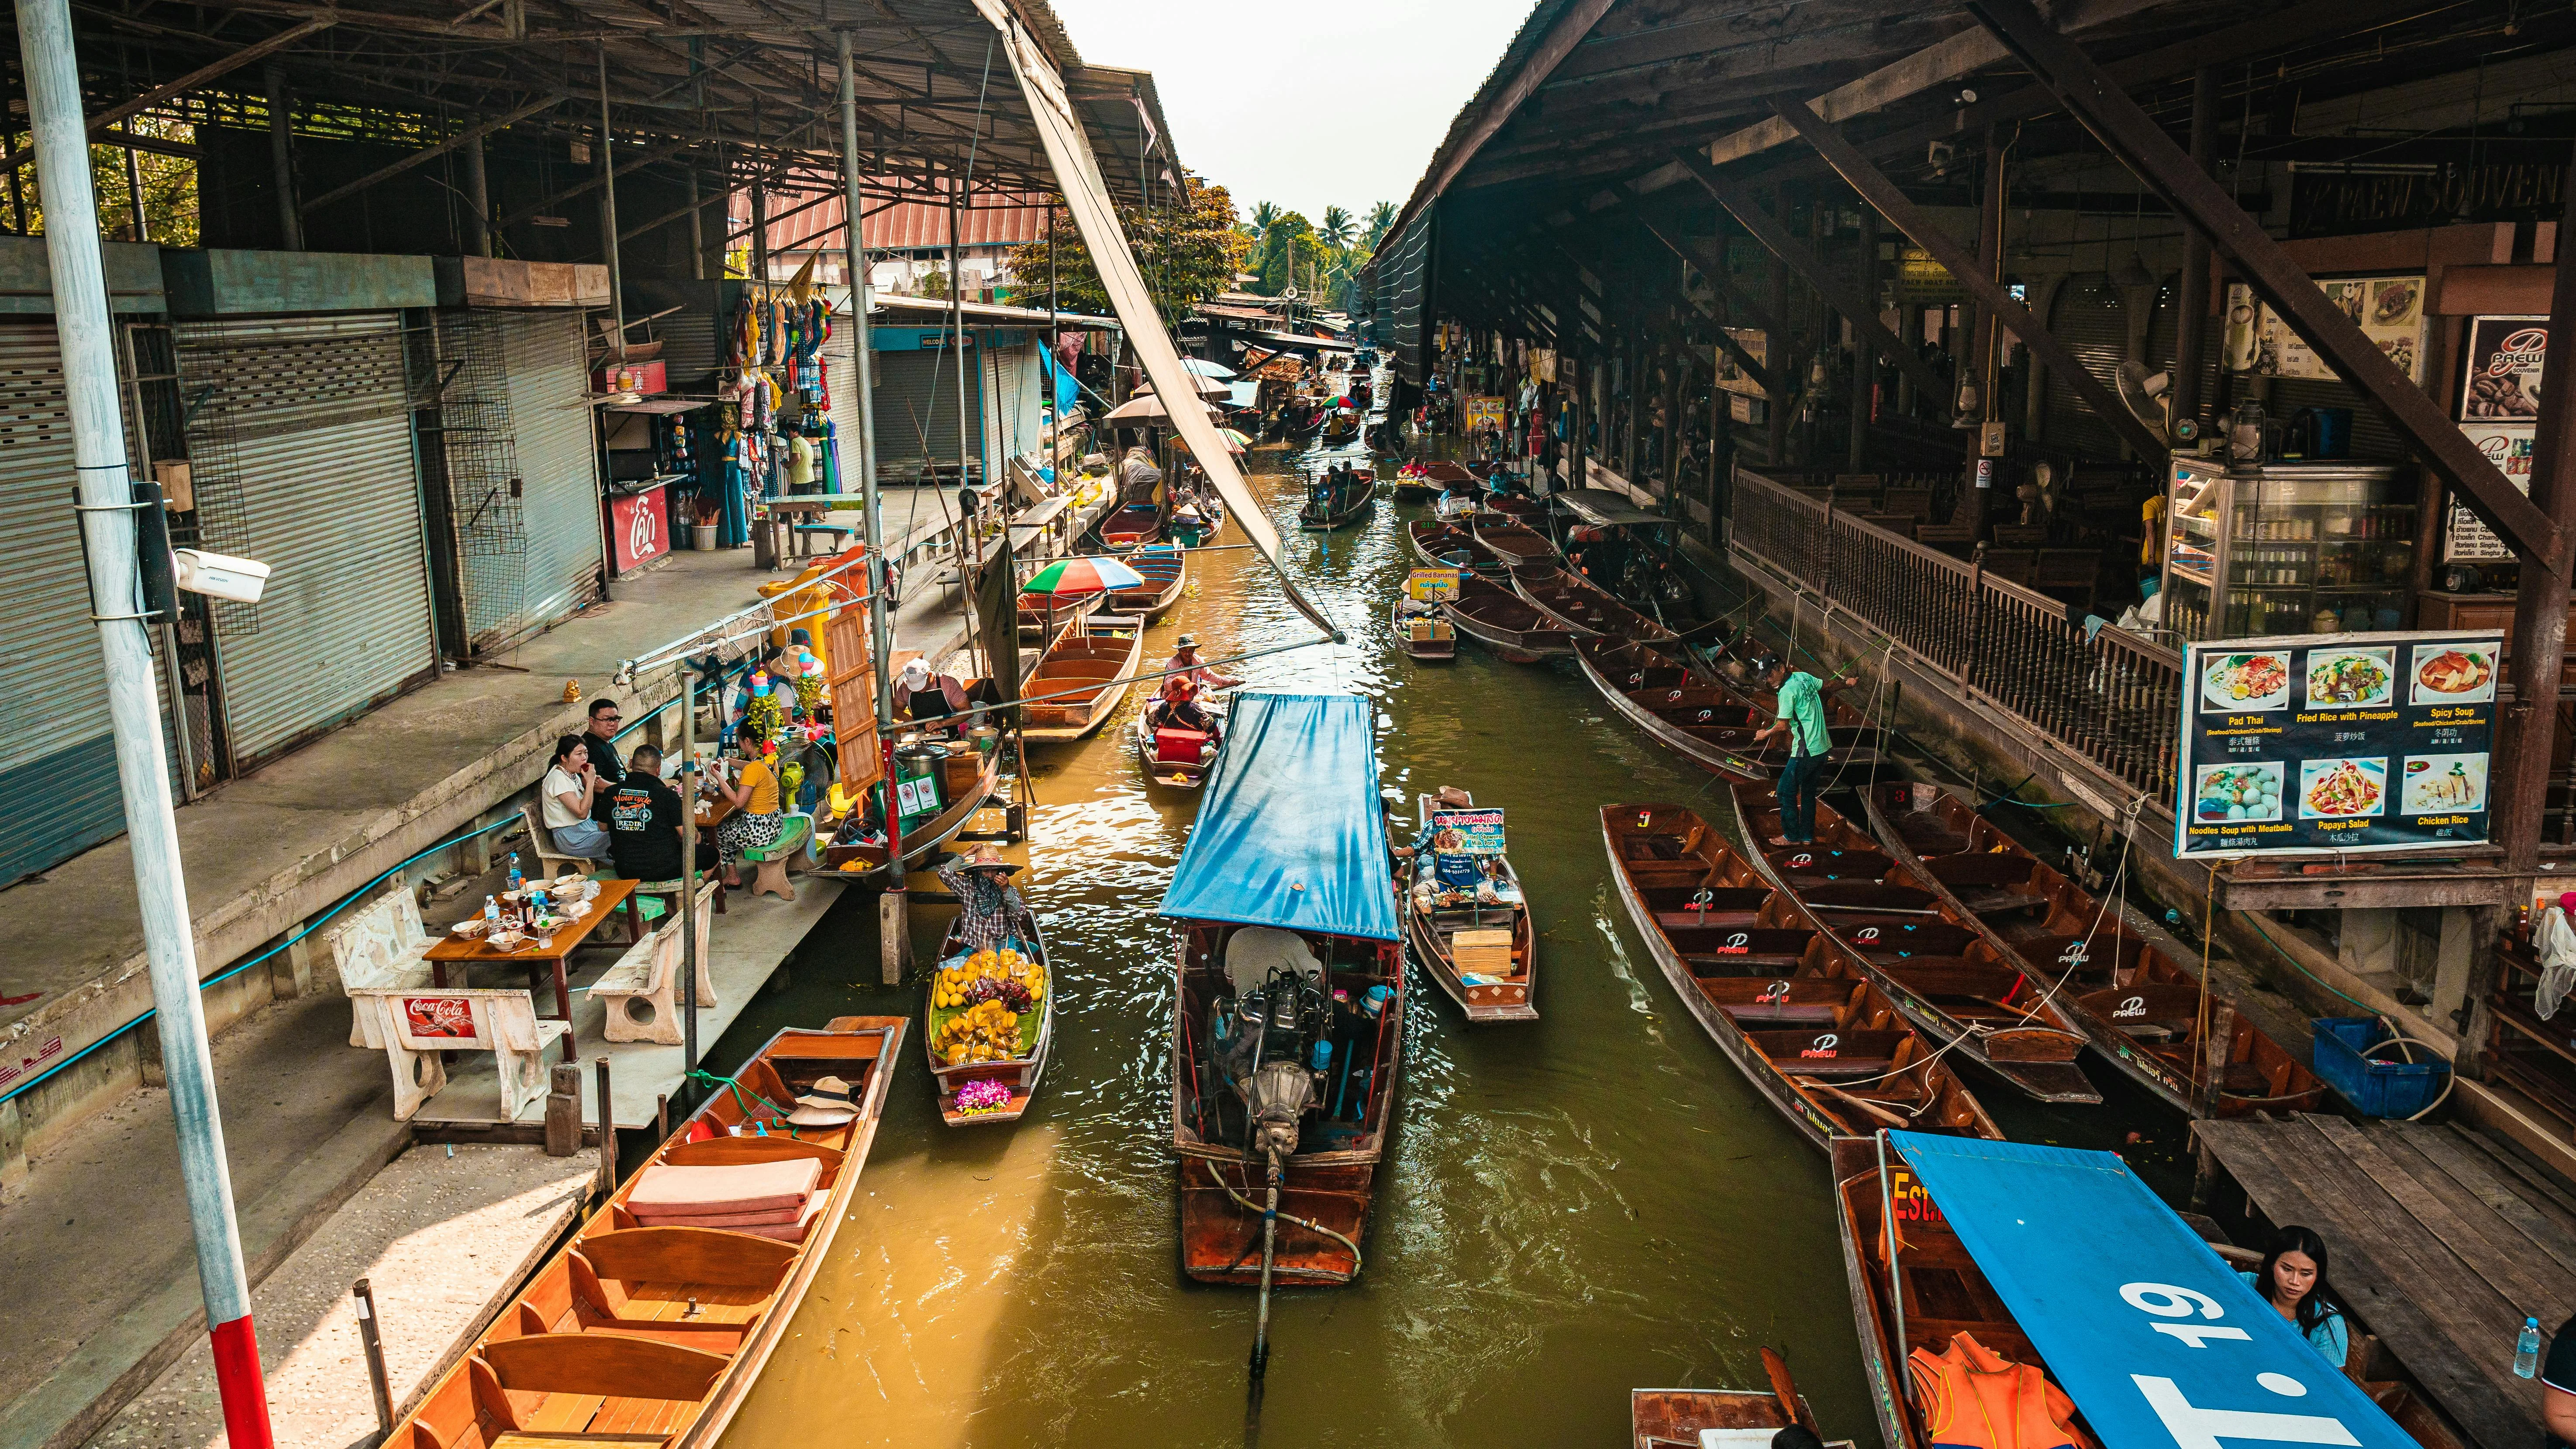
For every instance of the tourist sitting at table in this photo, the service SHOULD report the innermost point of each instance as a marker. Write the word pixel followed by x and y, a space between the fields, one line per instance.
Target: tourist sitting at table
pixel 571 788
pixel 644 821
pixel 1178 708
pixel 599 736
pixel 753 791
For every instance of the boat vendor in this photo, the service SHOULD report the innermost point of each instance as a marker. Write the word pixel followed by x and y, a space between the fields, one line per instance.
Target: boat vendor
pixel 989 906
pixel 1184 664
pixel 933 700
pixel 1501 480
pixel 1179 707
pixel 1802 724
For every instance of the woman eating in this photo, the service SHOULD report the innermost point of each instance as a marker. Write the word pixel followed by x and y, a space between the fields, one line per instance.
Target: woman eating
pixel 571 787
pixel 753 790
pixel 2293 1280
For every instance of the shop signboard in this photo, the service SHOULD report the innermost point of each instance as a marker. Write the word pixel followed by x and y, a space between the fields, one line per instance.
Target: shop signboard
pixel 1476 832
pixel 2389 311
pixel 1730 376
pixel 1432 586
pixel 1923 282
pixel 1747 409
pixel 636 535
pixel 2498 408
pixel 2335 742
pixel 1480 411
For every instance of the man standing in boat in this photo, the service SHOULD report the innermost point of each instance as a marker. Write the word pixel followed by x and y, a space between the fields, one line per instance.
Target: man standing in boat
pixel 1184 664
pixel 989 906
pixel 1802 723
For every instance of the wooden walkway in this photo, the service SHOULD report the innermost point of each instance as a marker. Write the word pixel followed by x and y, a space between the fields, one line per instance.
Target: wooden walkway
pixel 2442 1243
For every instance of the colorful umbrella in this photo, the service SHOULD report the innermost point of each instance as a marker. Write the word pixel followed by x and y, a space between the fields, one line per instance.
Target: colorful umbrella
pixel 1205 368
pixel 1083 574
pixel 1239 439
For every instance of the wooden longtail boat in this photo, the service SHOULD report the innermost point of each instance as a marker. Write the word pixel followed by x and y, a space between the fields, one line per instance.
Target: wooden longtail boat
pixel 1796 1012
pixel 1288 1006
pixel 1506 623
pixel 1044 618
pixel 1415 488
pixel 1340 428
pixel 1710 724
pixel 1340 511
pixel 1583 606
pixel 1133 526
pixel 1447 475
pixel 1436 639
pixel 919 842
pixel 2140 1005
pixel 651 1337
pixel 1492 996
pixel 1513 542
pixel 1441 544
pixel 1166 571
pixel 1020 1073
pixel 1937 970
pixel 1080 680
pixel 1672 1418
pixel 1514 506
pixel 1168 762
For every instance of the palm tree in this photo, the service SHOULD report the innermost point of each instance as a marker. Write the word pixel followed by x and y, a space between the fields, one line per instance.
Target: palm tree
pixel 1381 219
pixel 1264 217
pixel 1338 229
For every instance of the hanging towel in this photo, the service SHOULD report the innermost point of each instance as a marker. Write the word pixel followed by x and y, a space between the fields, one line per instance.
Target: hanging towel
pixel 2555 941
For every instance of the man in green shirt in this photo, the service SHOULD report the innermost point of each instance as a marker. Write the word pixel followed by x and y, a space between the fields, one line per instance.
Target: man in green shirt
pixel 1802 724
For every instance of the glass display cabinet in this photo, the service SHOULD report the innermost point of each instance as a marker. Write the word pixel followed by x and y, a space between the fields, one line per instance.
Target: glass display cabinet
pixel 2287 548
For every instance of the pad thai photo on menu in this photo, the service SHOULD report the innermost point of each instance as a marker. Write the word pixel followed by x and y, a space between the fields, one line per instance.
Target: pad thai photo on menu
pixel 2245 682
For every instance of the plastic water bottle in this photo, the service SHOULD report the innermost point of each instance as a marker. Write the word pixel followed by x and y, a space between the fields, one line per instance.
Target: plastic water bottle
pixel 2526 1350
pixel 491 913
pixel 516 880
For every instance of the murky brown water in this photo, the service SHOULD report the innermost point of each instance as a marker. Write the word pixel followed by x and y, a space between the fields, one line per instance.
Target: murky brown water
pixel 1573 1208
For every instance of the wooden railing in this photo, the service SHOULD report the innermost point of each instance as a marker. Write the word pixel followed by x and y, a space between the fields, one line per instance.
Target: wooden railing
pixel 2113 698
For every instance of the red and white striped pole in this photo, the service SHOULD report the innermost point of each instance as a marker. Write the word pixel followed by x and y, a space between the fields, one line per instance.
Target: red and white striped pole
pixel 107 524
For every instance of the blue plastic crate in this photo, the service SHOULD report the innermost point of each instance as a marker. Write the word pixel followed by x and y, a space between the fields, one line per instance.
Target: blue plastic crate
pixel 2376 1086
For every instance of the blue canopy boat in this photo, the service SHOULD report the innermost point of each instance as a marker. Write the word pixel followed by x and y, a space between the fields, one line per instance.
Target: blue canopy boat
pixel 2063 1260
pixel 1288 1028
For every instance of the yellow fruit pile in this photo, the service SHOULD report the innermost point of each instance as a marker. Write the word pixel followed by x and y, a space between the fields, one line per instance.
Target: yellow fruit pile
pixel 988 1031
pixel 950 987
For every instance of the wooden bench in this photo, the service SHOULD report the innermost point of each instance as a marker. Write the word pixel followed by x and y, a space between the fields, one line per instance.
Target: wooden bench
pixel 641 993
pixel 794 835
pixel 417 1025
pixel 550 1389
pixel 1756 1001
pixel 384 945
pixel 541 844
pixel 1830 1053
pixel 649 1277
pixel 1912 503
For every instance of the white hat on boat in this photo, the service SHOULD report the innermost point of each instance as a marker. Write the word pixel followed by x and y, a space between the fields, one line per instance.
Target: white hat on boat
pixel 829 1103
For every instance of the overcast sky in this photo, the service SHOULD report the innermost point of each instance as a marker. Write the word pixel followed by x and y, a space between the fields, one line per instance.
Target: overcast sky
pixel 1307 106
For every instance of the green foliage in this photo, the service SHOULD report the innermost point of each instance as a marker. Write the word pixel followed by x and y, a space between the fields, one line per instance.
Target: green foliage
pixel 169 186
pixel 934 283
pixel 1187 252
pixel 1381 220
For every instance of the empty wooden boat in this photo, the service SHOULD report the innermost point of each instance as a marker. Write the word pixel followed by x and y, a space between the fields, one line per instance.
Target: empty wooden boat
pixel 1673 1418
pixel 1166 571
pixel 1513 542
pixel 1507 624
pixel 1483 953
pixel 1080 680
pixel 1795 1011
pixel 1133 526
pixel 961 1047
pixel 1442 544
pixel 2141 1007
pixel 1956 989
pixel 1711 725
pixel 1575 602
pixel 648 1330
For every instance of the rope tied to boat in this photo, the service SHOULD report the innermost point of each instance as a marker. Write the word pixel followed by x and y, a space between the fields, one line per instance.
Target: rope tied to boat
pixel 739 1091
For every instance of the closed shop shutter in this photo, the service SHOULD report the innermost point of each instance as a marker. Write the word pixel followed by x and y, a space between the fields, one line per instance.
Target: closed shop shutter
pixel 58 786
pixel 2090 321
pixel 550 425
pixel 1012 394
pixel 840 373
pixel 301 446
pixel 916 404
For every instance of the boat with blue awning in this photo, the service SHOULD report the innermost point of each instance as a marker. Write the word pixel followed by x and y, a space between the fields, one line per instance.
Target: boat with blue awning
pixel 2063 1261
pixel 1288 1024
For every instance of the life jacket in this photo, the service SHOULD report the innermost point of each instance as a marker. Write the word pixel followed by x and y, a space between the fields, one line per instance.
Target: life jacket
pixel 1974 1398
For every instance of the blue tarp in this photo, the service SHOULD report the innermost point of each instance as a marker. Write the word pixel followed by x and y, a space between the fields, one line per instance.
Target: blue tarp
pixel 1064 383
pixel 1291 831
pixel 2152 1334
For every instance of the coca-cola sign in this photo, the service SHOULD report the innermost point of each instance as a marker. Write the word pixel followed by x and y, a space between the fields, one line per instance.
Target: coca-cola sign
pixel 2506 356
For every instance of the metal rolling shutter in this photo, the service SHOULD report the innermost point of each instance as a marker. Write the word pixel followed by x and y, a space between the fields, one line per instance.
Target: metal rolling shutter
pixel 1011 397
pixel 550 424
pixel 58 786
pixel 841 376
pixel 916 401
pixel 302 453
pixel 2090 321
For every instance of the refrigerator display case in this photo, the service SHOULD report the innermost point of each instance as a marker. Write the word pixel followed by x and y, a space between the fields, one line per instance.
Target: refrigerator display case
pixel 2287 548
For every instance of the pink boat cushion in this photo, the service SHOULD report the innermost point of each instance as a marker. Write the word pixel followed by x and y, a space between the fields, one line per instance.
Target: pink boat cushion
pixel 791 1232
pixel 666 1219
pixel 746 1187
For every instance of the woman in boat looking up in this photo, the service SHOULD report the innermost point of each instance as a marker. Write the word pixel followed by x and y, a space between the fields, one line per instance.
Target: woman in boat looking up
pixel 2293 1280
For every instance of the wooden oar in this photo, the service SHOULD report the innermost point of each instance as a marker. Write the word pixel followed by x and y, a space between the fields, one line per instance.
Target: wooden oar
pixel 1785 1390
pixel 1901 1124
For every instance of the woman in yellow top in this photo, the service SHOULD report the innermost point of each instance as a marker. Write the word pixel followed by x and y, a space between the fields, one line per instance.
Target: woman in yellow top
pixel 754 792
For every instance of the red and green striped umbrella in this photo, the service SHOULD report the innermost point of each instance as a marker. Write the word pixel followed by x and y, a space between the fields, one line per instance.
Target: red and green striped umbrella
pixel 1083 574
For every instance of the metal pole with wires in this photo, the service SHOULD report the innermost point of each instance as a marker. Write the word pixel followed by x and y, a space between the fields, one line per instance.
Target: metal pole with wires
pixel 105 498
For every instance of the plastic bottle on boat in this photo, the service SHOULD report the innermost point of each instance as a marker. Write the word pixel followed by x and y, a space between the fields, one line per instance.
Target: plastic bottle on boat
pixel 2526 1350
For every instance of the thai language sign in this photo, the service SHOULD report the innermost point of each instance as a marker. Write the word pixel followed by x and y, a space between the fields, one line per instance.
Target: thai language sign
pixel 2335 742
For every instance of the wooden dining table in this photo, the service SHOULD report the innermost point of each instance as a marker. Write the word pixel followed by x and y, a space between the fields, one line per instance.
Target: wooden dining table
pixel 540 952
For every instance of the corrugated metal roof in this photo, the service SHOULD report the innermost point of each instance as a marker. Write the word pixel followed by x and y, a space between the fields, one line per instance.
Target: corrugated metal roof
pixel 1013 219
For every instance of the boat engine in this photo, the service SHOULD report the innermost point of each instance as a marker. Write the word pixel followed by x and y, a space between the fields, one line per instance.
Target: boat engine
pixel 1273 1043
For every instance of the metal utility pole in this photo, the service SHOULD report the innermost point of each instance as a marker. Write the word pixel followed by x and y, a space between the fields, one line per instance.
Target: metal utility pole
pixel 106 502
pixel 894 924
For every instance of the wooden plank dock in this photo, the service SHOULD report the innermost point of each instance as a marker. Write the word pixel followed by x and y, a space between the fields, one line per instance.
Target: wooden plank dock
pixel 2442 1243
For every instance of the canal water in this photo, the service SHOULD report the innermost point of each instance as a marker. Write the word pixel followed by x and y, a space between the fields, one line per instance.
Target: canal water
pixel 1571 1208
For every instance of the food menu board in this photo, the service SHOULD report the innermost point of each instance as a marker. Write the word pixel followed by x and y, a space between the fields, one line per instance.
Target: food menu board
pixel 2388 310
pixel 2335 742
pixel 1731 377
pixel 2499 405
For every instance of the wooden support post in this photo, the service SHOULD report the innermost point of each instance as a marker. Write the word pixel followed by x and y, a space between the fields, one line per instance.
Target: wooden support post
pixel 281 160
pixel 894 935
pixel 2204 1174
pixel 563 1110
pixel 2191 292
pixel 1864 373
pixel 372 1338
pixel 478 199
pixel 1775 350
pixel 290 972
pixel 607 1133
pixel 1978 365
pixel 2477 1015
pixel 2217 1049
pixel 661 1117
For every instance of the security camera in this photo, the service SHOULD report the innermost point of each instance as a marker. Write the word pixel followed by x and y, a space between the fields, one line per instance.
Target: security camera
pixel 220 576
